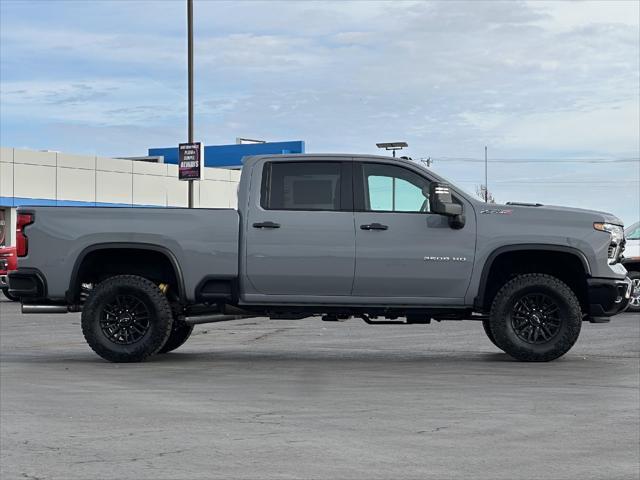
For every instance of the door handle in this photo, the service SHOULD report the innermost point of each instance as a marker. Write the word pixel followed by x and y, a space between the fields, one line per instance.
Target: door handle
pixel 374 226
pixel 266 225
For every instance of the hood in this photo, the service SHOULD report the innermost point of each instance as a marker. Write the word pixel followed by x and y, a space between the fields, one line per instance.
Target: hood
pixel 597 215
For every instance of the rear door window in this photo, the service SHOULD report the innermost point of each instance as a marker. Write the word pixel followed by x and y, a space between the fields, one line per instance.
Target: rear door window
pixel 305 185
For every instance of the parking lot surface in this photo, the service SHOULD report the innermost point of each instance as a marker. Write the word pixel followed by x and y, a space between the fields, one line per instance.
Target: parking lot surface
pixel 267 399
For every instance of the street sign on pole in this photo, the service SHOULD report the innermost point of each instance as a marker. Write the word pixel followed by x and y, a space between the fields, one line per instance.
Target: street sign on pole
pixel 190 160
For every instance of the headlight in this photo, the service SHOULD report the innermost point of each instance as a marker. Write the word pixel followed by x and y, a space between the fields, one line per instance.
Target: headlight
pixel 616 231
pixel 616 246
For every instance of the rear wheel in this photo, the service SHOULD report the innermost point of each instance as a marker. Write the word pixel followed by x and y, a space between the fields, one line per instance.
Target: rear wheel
pixel 126 319
pixel 634 301
pixel 535 318
pixel 6 293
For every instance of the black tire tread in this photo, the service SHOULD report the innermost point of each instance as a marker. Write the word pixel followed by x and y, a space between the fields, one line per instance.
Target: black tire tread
pixel 498 317
pixel 486 325
pixel 157 298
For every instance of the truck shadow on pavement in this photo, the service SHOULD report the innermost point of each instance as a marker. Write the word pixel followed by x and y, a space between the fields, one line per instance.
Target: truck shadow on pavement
pixel 275 357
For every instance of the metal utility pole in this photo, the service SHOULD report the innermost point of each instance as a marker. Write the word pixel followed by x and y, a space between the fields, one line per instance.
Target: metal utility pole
pixel 190 81
pixel 486 186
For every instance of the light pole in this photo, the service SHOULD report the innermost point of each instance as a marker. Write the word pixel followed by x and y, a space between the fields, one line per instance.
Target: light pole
pixel 190 82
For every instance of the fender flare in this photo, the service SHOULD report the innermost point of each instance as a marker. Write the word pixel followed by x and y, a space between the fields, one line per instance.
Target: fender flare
pixel 73 281
pixel 482 287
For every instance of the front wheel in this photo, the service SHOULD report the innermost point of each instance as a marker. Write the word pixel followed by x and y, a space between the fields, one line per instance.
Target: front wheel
pixel 535 318
pixel 126 319
pixel 6 293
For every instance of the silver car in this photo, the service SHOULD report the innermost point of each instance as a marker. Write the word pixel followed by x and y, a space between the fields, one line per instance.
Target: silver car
pixel 632 264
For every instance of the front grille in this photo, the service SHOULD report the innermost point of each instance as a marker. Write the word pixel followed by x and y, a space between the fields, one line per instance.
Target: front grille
pixel 614 252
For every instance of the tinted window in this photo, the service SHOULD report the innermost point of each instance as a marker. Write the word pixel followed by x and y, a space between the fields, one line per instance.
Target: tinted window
pixel 394 189
pixel 301 186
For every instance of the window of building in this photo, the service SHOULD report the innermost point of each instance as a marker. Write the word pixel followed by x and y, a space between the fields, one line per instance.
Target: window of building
pixel 389 188
pixel 301 186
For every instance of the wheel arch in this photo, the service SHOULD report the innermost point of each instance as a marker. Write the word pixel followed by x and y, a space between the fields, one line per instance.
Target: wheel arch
pixel 72 293
pixel 532 250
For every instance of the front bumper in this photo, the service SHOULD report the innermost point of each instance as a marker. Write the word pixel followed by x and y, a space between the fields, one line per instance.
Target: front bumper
pixel 4 282
pixel 607 296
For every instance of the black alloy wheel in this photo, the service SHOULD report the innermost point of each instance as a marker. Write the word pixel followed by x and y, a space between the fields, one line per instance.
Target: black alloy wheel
pixel 535 318
pixel 125 320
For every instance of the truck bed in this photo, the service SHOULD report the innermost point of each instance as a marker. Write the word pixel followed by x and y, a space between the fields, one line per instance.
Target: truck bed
pixel 203 241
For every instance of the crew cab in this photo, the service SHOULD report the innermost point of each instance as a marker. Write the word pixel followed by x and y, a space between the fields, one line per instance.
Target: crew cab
pixel 334 236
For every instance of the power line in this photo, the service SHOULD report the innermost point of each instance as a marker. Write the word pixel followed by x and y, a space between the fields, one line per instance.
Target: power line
pixel 551 182
pixel 536 160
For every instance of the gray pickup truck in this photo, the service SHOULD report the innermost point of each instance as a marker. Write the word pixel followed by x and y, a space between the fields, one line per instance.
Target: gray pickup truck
pixel 337 236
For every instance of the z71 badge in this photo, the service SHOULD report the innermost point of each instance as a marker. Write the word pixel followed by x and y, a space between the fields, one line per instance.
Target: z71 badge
pixel 497 211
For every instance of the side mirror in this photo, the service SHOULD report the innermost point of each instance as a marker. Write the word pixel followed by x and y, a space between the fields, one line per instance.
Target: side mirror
pixel 443 204
pixel 441 201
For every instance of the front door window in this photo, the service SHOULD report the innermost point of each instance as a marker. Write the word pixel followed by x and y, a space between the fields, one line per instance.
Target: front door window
pixel 394 189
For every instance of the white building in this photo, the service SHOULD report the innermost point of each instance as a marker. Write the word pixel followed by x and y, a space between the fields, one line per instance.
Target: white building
pixel 53 178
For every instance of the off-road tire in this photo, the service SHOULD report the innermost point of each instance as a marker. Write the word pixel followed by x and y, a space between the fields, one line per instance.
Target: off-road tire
pixel 6 293
pixel 634 276
pixel 568 313
pixel 180 333
pixel 486 325
pixel 160 320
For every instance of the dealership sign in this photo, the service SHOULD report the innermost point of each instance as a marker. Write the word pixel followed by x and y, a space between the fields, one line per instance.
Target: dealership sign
pixel 190 160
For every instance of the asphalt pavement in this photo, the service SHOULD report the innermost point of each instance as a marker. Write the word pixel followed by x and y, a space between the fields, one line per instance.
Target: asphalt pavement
pixel 267 399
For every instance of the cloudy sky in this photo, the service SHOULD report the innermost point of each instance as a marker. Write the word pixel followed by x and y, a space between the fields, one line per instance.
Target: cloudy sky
pixel 552 88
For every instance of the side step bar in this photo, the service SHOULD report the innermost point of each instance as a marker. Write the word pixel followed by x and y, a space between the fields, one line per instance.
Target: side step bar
pixel 213 318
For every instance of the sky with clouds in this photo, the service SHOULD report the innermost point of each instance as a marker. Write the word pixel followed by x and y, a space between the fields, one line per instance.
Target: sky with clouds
pixel 552 88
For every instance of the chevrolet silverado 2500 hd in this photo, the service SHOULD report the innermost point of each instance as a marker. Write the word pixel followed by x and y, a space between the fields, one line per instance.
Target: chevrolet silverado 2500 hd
pixel 341 236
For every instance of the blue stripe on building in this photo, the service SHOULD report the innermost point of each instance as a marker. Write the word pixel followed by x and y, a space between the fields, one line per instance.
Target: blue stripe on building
pixel 45 202
pixel 231 155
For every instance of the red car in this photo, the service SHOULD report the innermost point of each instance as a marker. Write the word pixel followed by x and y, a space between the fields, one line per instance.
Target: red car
pixel 8 262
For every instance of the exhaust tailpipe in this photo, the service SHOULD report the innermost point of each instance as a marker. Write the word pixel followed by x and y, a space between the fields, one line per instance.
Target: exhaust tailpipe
pixel 44 308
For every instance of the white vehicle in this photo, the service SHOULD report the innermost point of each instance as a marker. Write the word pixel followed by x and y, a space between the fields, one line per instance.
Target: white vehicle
pixel 631 262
